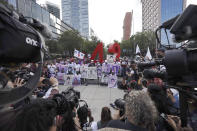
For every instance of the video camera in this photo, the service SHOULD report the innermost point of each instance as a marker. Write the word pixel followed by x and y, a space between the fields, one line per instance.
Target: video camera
pixel 119 104
pixel 72 96
pixel 22 41
pixel 67 100
pixel 181 71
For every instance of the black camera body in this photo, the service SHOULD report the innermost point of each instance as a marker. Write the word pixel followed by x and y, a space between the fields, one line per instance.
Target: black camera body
pixel 181 63
pixel 66 101
pixel 119 104
pixel 72 96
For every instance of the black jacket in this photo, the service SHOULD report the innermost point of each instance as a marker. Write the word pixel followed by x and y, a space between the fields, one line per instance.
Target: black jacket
pixel 124 125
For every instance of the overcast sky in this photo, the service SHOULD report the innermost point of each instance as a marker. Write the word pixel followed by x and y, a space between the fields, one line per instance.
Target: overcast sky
pixel 106 18
pixel 191 2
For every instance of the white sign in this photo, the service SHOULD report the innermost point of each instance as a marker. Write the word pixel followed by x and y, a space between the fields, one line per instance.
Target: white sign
pixel 68 80
pixel 112 81
pixel 92 73
pixel 76 80
pixel 104 78
pixel 60 78
pixel 111 58
pixel 84 71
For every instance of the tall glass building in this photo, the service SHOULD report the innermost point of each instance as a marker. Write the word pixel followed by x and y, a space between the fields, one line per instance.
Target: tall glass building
pixel 75 13
pixel 155 12
pixel 169 9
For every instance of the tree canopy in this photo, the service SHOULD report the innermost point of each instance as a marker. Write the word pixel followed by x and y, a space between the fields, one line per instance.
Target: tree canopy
pixel 71 40
pixel 142 39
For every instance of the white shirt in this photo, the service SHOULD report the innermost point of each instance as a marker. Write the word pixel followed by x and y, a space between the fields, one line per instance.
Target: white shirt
pixel 77 67
pixel 94 126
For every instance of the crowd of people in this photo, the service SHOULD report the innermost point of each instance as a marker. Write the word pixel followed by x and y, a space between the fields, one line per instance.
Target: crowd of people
pixel 147 104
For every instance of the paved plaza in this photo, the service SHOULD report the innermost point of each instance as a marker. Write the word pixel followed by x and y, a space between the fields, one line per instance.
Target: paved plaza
pixel 98 96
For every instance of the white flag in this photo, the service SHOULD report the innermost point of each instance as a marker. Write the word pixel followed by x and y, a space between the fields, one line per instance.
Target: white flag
pixel 137 50
pixel 78 54
pixel 81 55
pixel 148 54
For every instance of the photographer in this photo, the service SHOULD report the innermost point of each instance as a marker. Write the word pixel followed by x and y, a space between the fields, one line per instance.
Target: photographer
pixel 139 111
pixel 44 85
pixel 157 90
pixel 53 87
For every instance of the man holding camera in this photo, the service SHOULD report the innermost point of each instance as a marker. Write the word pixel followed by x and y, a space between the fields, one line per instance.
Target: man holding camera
pixel 140 113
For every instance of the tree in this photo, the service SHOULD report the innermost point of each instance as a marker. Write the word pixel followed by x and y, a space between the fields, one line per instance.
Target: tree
pixel 89 46
pixel 69 41
pixel 127 48
pixel 53 46
pixel 143 40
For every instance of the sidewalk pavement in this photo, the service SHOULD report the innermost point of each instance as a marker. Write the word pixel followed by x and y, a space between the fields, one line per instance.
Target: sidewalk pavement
pixel 97 97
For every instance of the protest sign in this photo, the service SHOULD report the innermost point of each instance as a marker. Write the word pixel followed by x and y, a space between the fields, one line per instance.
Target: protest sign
pixel 92 73
pixel 84 71
pixel 111 58
pixel 60 78
pixel 76 80
pixel 104 78
pixel 68 80
pixel 105 67
pixel 112 81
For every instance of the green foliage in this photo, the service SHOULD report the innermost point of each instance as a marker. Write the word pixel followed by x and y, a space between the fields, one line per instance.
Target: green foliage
pixel 127 48
pixel 88 46
pixel 69 41
pixel 143 39
pixel 53 46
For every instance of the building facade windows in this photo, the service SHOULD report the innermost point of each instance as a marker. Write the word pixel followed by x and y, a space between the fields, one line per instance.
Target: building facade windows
pixel 76 15
pixel 31 9
pixel 155 12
